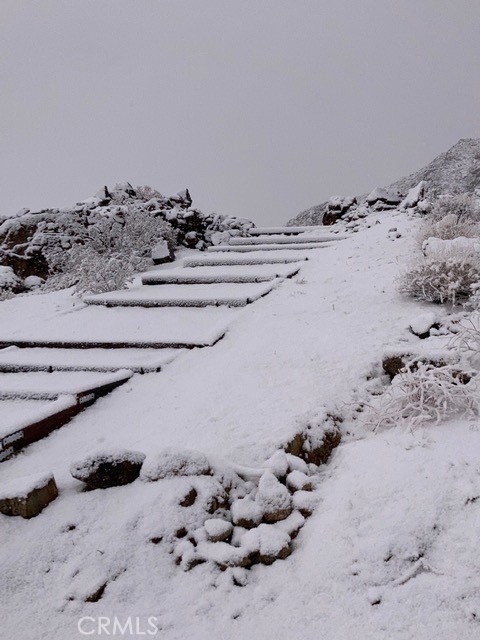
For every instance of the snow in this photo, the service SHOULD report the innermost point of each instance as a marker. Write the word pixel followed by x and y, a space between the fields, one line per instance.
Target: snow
pixel 51 385
pixel 272 495
pixel 171 462
pixel 41 359
pixel 258 231
pixel 211 275
pixel 196 295
pixel 255 258
pixel 397 520
pixel 423 323
pixel 319 244
pixel 456 247
pixel 22 487
pixel 30 412
pixel 34 319
pixel 279 239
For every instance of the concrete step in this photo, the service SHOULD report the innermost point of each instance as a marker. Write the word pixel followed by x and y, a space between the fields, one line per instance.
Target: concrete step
pixel 13 359
pixel 280 239
pixel 121 328
pixel 255 258
pixel 195 295
pixel 269 247
pixel 259 231
pixel 216 275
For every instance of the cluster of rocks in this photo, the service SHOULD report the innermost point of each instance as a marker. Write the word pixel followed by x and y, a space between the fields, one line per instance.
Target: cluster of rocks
pixel 231 517
pixel 23 237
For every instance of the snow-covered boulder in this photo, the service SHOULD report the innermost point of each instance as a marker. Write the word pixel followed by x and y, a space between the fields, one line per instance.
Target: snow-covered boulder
pixel 9 282
pixel 467 248
pixel 162 253
pixel 175 462
pixel 381 199
pixel 296 481
pixel 273 498
pixel 414 196
pixel 27 497
pixel 103 469
pixel 33 282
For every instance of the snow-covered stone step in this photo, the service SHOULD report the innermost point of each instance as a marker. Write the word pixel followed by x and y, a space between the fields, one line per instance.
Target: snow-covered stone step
pixel 96 327
pixel 268 247
pixel 13 359
pixel 281 239
pixel 254 258
pixel 195 295
pixel 259 231
pixel 215 275
pixel 84 386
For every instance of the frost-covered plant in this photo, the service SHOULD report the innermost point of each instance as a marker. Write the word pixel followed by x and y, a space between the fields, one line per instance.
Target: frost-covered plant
pixel 449 227
pixel 107 253
pixel 425 393
pixel 441 279
pixel 465 208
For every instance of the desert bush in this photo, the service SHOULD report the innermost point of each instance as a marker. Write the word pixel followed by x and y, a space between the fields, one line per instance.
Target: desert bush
pixel 107 253
pixel 425 394
pixel 465 208
pixel 448 228
pixel 441 279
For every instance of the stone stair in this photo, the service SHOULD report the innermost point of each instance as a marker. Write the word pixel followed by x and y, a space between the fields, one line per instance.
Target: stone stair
pixel 53 370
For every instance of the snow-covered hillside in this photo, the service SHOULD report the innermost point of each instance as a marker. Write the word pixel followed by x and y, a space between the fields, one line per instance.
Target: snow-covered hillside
pixel 454 171
pixel 390 548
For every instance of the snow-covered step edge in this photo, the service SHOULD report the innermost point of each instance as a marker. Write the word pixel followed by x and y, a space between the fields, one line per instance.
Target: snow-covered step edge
pixel 194 278
pixel 48 419
pixel 85 393
pixel 258 231
pixel 15 360
pixel 233 300
pixel 280 239
pixel 214 337
pixel 318 244
pixel 231 260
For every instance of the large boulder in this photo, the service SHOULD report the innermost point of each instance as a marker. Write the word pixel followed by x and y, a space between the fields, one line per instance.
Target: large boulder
pixel 105 469
pixel 27 497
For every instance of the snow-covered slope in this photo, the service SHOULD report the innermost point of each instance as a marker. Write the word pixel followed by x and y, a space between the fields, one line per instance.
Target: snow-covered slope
pixel 390 551
pixel 454 171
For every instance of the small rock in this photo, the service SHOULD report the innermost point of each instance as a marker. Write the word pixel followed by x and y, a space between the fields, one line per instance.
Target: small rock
pixel 266 543
pixel 278 464
pixel 161 253
pixel 273 498
pixel 296 481
pixel 189 499
pixel 27 497
pixel 292 524
pixel 218 530
pixel 296 464
pixel 105 469
pixel 305 502
pixel 246 513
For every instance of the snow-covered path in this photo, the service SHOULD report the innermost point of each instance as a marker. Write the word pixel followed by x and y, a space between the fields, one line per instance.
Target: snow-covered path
pixel 305 346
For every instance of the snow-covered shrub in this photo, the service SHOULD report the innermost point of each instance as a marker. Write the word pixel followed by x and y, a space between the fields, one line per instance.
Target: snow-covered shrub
pixel 442 276
pixel 448 228
pixel 465 208
pixel 9 282
pixel 425 393
pixel 107 252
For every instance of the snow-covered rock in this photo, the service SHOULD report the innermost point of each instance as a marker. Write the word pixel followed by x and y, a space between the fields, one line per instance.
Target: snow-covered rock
pixel 9 281
pixel 381 198
pixel 267 542
pixel 422 324
pixel 28 496
pixel 103 469
pixel 455 247
pixel 246 513
pixel 414 196
pixel 218 530
pixel 175 462
pixel 296 480
pixel 162 253
pixel 273 498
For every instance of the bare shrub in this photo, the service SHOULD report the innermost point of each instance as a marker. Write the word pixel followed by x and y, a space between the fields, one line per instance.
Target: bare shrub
pixel 108 253
pixel 425 394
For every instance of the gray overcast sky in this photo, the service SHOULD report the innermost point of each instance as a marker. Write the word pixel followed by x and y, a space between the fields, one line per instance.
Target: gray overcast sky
pixel 262 108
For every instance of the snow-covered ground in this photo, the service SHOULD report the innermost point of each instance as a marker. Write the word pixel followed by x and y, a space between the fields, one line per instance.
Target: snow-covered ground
pixel 388 553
